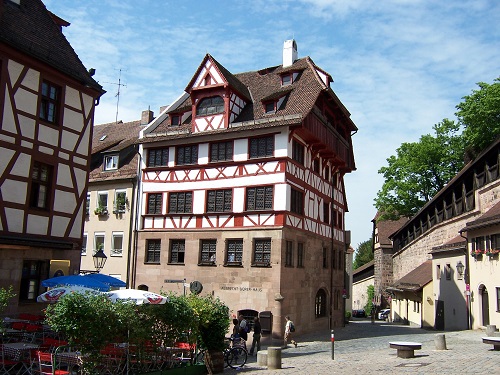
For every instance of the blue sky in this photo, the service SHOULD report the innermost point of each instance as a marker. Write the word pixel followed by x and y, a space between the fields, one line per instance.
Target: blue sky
pixel 398 66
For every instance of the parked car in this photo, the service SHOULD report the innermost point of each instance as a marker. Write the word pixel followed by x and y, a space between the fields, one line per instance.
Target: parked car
pixel 360 313
pixel 383 314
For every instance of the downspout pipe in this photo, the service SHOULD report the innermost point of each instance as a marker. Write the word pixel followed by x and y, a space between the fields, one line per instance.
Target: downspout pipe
pixel 467 279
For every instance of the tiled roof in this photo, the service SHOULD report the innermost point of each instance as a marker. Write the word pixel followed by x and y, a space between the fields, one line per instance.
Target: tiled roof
pixel 416 279
pixel 386 228
pixel 456 243
pixel 118 137
pixel 32 29
pixel 265 85
pixel 490 217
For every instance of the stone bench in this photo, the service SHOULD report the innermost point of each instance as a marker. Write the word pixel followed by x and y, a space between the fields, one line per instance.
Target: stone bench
pixel 495 341
pixel 405 349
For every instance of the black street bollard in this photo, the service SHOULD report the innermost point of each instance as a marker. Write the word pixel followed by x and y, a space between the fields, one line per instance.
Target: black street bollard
pixel 333 345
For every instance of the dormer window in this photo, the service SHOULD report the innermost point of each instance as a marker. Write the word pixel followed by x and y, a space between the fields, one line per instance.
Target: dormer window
pixel 286 79
pixel 176 120
pixel 110 162
pixel 210 106
pixel 270 107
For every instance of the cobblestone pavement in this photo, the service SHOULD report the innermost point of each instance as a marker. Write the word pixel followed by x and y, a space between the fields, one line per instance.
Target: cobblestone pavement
pixel 362 347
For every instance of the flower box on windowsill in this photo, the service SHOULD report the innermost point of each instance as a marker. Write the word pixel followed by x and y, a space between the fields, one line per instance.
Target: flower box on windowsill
pixel 101 211
pixel 492 253
pixel 476 253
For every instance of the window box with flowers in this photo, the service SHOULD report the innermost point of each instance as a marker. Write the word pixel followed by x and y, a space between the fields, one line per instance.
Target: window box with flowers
pixel 101 210
pixel 492 252
pixel 476 253
pixel 120 204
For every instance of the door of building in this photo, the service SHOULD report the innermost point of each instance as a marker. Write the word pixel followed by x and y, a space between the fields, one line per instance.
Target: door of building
pixel 439 325
pixel 485 305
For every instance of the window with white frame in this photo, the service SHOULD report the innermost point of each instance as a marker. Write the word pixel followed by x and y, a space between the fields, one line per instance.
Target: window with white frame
pixel 120 201
pixel 110 162
pixel 117 248
pixel 102 202
pixel 87 204
pixel 84 244
pixel 98 242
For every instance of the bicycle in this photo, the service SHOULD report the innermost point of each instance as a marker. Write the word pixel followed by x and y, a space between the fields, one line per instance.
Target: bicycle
pixel 235 353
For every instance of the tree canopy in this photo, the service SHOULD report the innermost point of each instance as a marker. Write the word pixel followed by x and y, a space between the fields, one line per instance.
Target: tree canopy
pixel 364 254
pixel 479 113
pixel 420 169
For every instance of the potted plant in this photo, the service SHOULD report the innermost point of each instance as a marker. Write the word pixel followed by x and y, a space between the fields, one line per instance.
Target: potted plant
pixel 101 210
pixel 120 203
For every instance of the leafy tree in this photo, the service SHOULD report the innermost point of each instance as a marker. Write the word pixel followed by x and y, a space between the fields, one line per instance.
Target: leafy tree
pixel 364 254
pixel 479 113
pixel 420 170
pixel 5 296
pixel 370 292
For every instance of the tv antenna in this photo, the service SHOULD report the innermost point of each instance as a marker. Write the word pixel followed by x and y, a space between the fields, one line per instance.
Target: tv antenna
pixel 119 84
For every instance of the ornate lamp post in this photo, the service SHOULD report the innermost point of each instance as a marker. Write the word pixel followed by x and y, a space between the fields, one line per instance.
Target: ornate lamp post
pixel 99 260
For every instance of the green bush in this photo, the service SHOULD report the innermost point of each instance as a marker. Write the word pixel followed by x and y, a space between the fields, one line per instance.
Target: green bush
pixel 5 296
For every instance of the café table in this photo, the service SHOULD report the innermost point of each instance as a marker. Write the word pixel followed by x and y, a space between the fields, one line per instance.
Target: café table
pixel 18 350
pixel 21 352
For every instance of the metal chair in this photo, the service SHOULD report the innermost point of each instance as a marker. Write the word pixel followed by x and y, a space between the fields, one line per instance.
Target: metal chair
pixel 6 364
pixel 47 365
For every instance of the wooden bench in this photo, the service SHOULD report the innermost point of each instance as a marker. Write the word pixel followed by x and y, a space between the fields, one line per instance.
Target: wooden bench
pixel 405 349
pixel 495 341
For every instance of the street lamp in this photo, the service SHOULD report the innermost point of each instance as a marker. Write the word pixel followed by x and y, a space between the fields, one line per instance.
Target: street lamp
pixel 460 269
pixel 99 260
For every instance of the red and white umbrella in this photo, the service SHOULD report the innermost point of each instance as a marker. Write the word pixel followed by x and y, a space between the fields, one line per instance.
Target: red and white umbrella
pixel 137 296
pixel 53 295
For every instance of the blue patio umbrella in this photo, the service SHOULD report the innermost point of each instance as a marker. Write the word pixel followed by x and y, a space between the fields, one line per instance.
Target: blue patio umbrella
pixel 106 279
pixel 78 280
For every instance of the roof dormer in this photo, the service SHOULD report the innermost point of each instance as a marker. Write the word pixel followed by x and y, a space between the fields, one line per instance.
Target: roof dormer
pixel 217 96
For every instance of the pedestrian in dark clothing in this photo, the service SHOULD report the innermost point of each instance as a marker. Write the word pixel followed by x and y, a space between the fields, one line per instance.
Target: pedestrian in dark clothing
pixel 236 328
pixel 256 335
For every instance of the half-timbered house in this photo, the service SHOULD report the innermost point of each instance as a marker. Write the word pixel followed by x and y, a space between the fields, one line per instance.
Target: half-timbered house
pixel 47 106
pixel 243 193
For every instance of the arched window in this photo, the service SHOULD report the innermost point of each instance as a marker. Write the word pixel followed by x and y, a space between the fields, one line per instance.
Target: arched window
pixel 320 304
pixel 209 106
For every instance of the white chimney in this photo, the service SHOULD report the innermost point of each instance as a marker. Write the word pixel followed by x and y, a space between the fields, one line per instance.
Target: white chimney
pixel 289 52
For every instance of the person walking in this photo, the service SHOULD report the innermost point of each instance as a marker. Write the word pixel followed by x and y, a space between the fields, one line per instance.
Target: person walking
pixel 289 329
pixel 236 328
pixel 243 328
pixel 256 335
